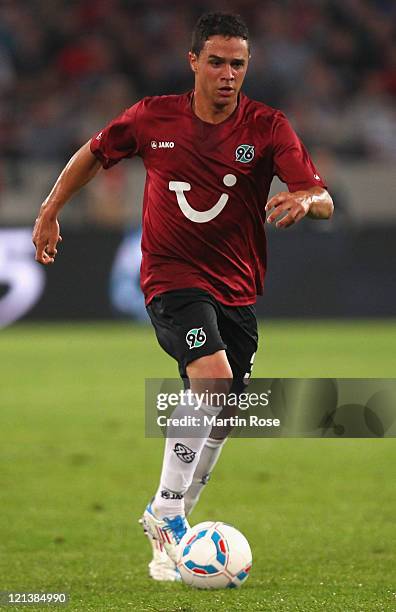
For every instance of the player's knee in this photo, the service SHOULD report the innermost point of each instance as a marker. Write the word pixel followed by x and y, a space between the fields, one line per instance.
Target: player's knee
pixel 211 374
pixel 210 366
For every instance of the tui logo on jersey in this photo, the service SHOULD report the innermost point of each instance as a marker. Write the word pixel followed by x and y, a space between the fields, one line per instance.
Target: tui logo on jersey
pixel 200 216
pixel 196 337
pixel 244 153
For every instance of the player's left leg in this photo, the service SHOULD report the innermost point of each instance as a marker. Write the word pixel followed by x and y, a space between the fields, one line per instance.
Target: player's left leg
pixel 207 461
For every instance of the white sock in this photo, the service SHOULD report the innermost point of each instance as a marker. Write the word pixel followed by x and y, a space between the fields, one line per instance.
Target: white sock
pixel 181 457
pixel 207 460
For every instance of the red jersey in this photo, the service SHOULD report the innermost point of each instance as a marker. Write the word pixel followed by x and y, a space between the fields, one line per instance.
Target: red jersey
pixel 206 189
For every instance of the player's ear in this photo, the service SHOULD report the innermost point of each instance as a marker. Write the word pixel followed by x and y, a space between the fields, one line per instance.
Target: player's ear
pixel 193 59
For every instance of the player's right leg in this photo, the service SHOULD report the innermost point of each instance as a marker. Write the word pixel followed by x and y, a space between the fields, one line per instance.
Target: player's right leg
pixel 164 518
pixel 238 328
pixel 177 319
pixel 161 567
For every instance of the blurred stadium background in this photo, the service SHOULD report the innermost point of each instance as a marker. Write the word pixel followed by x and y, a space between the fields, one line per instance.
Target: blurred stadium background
pixel 67 68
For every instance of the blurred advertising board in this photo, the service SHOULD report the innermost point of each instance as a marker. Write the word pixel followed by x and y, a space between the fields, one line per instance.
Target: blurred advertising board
pixel 96 275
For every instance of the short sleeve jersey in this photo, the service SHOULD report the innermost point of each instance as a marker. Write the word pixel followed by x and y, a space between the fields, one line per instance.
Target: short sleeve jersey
pixel 206 189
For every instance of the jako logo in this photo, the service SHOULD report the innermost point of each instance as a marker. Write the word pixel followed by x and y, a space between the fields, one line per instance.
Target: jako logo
pixel 196 337
pixel 162 144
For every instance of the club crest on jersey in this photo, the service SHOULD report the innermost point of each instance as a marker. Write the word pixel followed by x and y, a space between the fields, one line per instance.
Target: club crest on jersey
pixel 196 337
pixel 244 153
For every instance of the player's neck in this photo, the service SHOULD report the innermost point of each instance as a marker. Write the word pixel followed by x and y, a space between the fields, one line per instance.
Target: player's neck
pixel 205 110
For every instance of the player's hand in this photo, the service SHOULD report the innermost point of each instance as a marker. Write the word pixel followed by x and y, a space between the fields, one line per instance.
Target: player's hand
pixel 46 237
pixel 296 205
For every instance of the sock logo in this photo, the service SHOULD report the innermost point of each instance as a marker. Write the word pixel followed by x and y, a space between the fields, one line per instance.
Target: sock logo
pixel 184 453
pixel 170 495
pixel 196 337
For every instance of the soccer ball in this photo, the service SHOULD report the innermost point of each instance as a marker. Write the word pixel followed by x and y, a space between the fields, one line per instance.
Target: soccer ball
pixel 214 556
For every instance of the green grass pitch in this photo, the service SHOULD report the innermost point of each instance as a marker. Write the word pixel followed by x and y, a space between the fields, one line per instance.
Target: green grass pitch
pixel 76 472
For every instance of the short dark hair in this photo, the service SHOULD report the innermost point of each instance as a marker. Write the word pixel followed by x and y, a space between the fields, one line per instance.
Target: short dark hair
pixel 222 24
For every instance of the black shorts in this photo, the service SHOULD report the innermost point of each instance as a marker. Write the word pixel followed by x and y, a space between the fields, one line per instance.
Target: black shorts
pixel 190 323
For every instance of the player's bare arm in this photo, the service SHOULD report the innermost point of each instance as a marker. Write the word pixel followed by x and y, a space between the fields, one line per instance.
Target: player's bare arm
pixel 81 168
pixel 315 203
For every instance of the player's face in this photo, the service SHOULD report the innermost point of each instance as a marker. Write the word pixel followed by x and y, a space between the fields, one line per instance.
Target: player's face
pixel 220 69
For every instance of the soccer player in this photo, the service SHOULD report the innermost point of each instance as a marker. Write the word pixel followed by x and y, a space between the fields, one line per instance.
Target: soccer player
pixel 210 156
